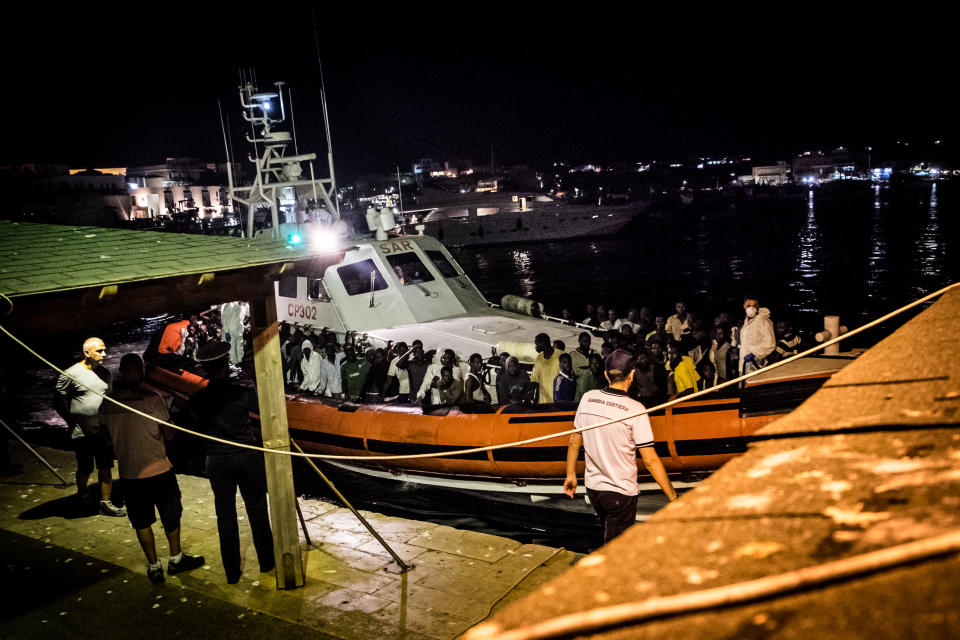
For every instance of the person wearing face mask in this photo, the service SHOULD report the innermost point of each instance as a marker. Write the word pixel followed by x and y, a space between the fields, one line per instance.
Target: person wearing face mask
pixel 757 338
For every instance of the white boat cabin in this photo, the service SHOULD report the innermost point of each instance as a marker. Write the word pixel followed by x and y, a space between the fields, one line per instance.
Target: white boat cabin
pixel 406 288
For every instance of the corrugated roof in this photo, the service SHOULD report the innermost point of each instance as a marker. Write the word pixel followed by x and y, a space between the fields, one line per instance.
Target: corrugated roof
pixel 42 258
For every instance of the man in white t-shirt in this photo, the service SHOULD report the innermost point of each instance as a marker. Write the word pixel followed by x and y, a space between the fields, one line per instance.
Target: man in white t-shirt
pixel 330 384
pixel 610 472
pixel 428 389
pixel 398 370
pixel 77 399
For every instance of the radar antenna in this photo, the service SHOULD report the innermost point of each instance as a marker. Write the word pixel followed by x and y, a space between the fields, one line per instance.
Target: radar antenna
pixel 278 180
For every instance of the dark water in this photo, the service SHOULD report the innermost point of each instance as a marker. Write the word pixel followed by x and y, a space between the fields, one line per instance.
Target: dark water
pixel 857 250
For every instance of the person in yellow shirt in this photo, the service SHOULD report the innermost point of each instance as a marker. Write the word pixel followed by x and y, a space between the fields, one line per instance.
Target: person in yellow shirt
pixel 683 373
pixel 545 368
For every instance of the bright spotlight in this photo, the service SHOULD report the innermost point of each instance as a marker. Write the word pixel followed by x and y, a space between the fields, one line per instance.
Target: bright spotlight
pixel 325 241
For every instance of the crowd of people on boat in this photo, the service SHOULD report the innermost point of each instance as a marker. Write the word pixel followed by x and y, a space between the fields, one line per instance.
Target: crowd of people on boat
pixel 675 354
pixel 229 323
pixel 684 352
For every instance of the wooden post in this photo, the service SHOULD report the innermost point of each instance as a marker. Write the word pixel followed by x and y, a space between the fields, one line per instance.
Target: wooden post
pixel 273 422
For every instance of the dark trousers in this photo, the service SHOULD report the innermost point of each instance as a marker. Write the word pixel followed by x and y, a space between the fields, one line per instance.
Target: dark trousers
pixel 246 472
pixel 616 511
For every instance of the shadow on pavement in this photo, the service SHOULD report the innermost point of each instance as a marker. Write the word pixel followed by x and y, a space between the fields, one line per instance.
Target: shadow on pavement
pixel 69 507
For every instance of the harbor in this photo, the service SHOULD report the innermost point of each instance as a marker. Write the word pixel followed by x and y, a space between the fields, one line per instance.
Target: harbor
pixel 869 462
pixel 388 332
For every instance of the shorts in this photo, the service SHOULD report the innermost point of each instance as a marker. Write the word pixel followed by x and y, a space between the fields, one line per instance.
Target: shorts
pixel 93 448
pixel 616 510
pixel 147 496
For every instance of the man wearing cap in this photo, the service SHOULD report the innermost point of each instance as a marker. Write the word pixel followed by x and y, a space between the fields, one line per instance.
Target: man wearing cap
pixel 223 410
pixel 78 397
pixel 610 472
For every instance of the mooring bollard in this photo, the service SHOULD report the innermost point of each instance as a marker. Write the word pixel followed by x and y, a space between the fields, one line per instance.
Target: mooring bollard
pixel 831 330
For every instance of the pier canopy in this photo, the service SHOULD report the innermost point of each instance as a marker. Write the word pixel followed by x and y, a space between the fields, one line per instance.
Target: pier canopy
pixel 58 278
pixel 68 277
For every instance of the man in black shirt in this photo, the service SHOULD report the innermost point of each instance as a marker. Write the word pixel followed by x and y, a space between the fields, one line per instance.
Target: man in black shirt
pixel 223 410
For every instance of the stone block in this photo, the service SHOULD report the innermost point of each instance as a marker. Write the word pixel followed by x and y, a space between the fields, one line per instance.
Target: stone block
pixel 480 546
pixel 429 623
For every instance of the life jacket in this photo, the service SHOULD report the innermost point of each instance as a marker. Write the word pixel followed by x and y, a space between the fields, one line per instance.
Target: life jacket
pixel 172 339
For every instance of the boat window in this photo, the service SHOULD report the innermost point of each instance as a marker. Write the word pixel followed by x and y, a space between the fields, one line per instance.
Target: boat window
pixel 317 291
pixel 357 277
pixel 409 268
pixel 288 286
pixel 446 269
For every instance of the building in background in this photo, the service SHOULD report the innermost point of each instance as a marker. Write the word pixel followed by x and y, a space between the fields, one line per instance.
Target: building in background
pixel 813 167
pixel 179 185
pixel 773 175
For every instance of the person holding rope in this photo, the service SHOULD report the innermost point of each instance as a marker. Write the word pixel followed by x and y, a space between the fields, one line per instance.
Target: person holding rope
pixel 77 399
pixel 223 410
pixel 611 451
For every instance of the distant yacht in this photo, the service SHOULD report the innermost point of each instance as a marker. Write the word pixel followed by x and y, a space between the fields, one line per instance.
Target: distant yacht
pixel 500 218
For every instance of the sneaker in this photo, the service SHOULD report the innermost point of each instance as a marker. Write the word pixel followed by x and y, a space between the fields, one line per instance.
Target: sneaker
pixel 187 562
pixel 107 508
pixel 155 573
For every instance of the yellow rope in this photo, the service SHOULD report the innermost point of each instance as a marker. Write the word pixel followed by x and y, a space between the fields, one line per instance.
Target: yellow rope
pixel 518 443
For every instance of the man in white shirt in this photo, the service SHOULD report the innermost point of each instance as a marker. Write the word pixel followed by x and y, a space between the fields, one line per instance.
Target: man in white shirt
pixel 78 397
pixel 330 383
pixel 611 451
pixel 398 370
pixel 428 389
pixel 311 367
pixel 679 323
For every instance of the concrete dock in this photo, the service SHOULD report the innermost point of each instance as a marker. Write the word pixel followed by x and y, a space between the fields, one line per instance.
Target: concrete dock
pixel 73 573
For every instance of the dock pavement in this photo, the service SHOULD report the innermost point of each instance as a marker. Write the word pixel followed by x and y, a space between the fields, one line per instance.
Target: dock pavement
pixel 69 572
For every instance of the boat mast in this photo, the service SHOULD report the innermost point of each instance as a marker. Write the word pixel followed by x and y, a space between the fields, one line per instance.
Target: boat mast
pixel 326 115
pixel 275 170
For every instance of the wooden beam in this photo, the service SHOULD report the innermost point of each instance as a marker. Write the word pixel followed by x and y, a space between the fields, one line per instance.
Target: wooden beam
pixel 94 307
pixel 276 435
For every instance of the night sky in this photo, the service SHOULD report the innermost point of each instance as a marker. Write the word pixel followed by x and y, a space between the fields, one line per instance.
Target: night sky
pixel 128 86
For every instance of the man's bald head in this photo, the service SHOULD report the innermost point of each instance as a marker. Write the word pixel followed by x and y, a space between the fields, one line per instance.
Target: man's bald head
pixel 94 351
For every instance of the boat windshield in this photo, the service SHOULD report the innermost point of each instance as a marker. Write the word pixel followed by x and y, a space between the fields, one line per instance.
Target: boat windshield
pixel 446 269
pixel 361 277
pixel 409 268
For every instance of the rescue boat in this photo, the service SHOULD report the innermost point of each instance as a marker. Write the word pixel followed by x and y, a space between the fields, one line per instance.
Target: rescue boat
pixel 410 287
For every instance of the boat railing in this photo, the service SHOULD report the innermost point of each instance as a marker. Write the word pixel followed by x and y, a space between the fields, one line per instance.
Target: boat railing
pixel 579 325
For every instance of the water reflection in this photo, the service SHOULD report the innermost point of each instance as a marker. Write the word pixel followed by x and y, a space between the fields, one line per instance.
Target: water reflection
pixel 876 268
pixel 930 250
pixel 808 263
pixel 856 251
pixel 522 263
